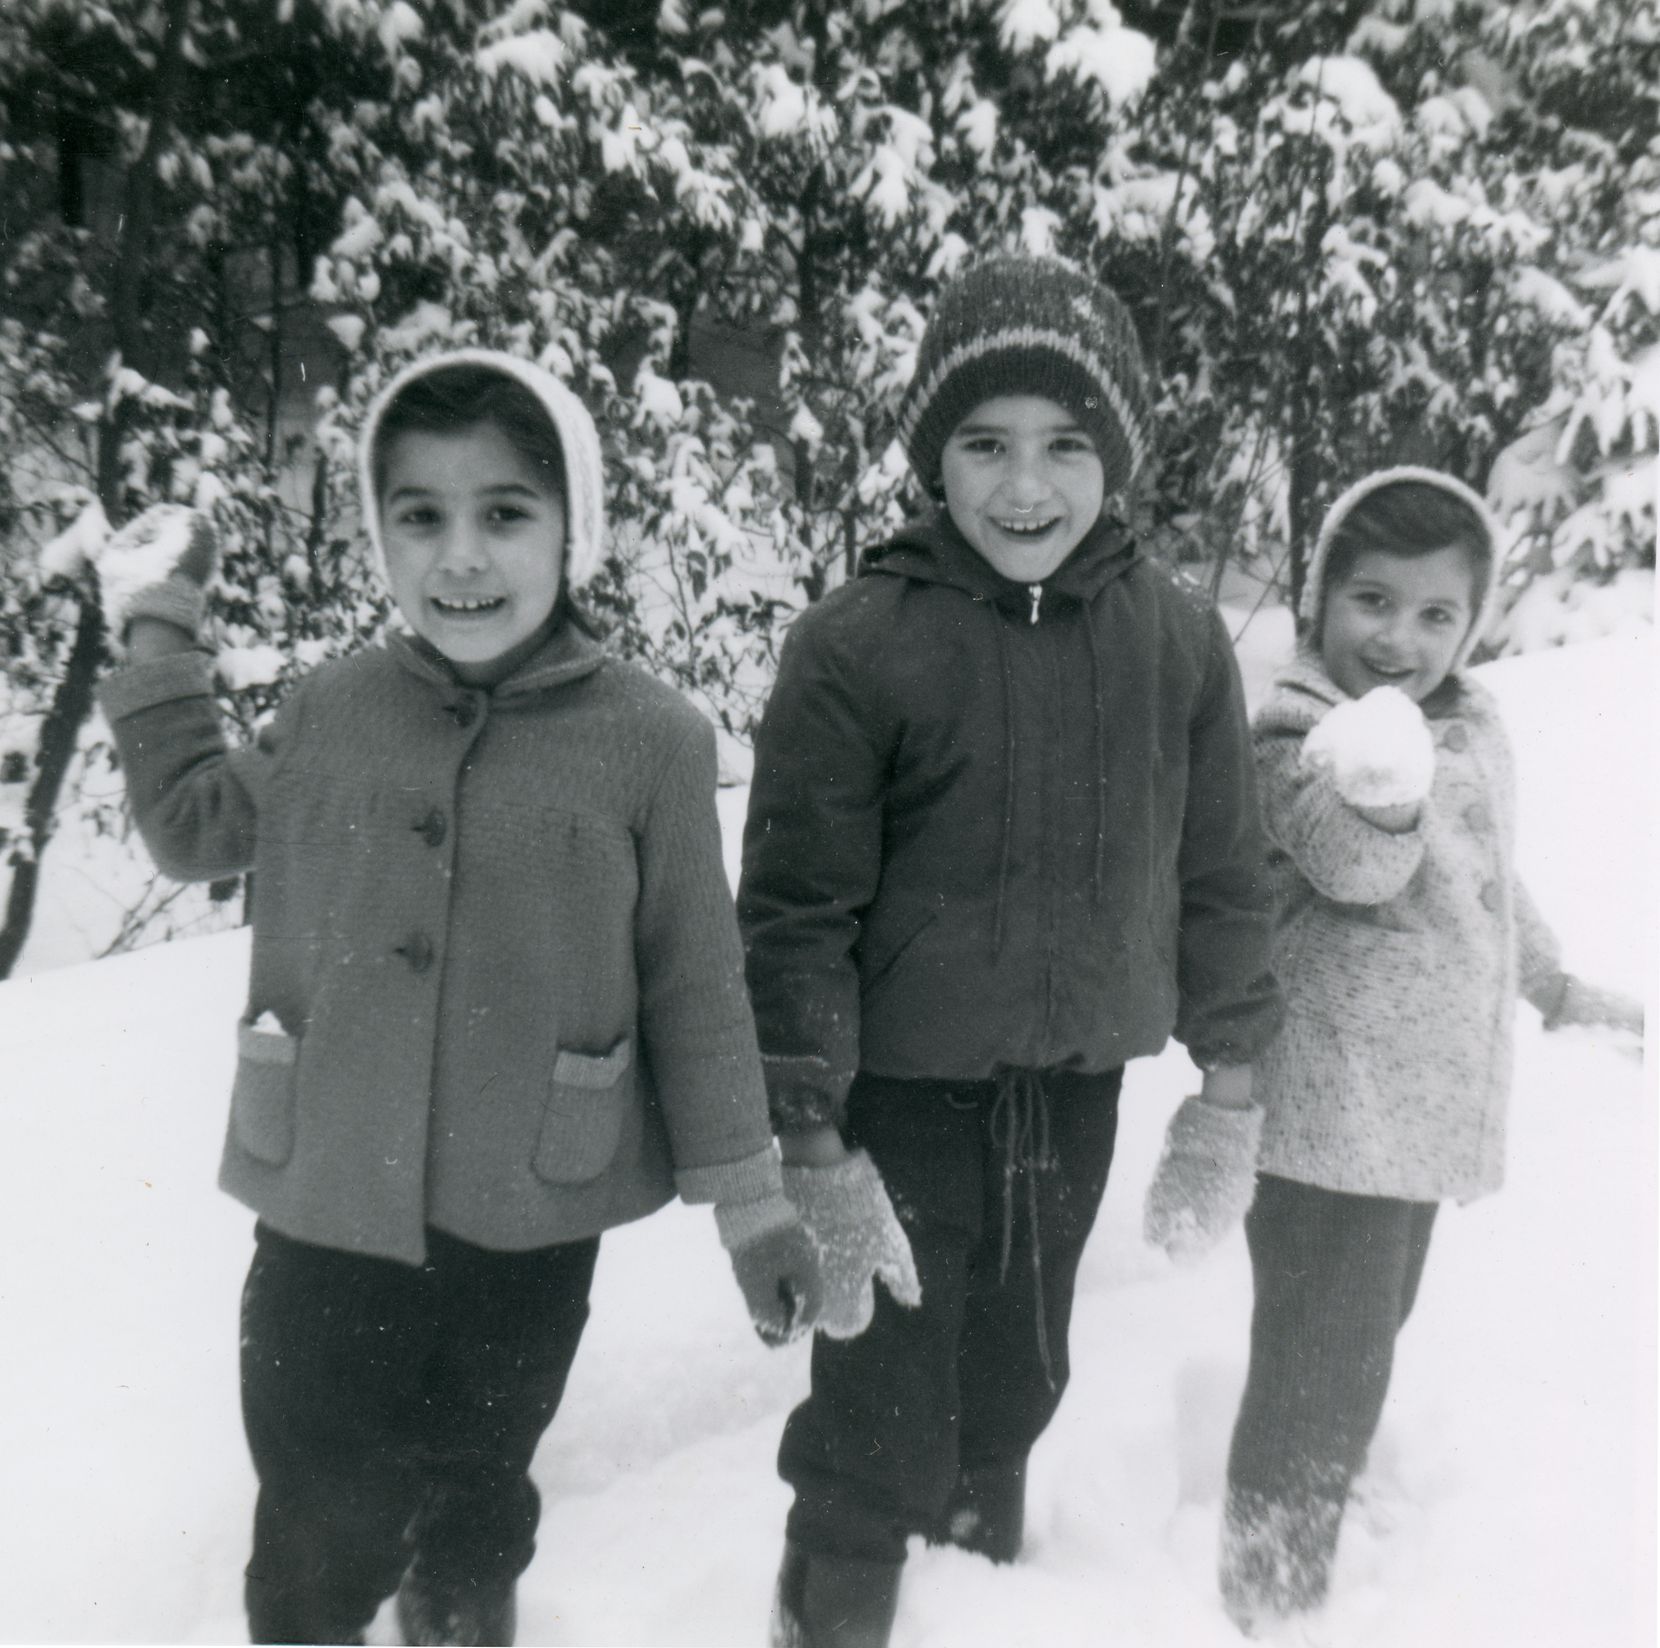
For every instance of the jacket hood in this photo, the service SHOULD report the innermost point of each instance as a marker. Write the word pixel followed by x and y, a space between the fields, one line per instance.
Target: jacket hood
pixel 1314 587
pixel 578 441
pixel 934 551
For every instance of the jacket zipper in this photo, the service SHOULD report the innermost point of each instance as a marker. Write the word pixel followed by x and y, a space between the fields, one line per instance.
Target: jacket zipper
pixel 1036 593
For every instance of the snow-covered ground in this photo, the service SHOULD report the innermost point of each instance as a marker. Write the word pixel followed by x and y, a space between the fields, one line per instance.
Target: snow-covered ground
pixel 1512 1496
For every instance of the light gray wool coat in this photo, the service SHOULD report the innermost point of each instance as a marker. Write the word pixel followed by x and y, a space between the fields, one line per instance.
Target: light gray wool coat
pixel 496 932
pixel 1400 955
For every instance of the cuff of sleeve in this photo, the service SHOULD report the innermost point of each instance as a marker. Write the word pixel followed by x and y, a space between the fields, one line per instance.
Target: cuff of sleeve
pixel 750 1179
pixel 749 1221
pixel 174 601
pixel 803 1092
pixel 161 681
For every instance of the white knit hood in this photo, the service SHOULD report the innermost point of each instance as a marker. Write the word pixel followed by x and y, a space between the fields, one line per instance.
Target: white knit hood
pixel 578 440
pixel 1314 586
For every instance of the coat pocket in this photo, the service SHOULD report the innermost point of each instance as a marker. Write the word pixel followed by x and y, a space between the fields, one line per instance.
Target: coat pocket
pixel 587 1099
pixel 262 1099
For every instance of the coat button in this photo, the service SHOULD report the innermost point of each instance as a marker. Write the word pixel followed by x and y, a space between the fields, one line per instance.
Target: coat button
pixel 1490 896
pixel 465 712
pixel 431 829
pixel 1457 737
pixel 417 951
pixel 1477 817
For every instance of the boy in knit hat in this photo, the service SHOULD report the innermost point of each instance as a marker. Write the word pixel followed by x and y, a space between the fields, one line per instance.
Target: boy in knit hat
pixel 1002 837
pixel 496 1005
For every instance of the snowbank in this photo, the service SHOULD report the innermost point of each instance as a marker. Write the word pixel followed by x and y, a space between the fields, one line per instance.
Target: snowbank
pixel 1512 1497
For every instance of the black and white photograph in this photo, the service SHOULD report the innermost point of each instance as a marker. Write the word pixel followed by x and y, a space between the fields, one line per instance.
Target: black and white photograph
pixel 829 824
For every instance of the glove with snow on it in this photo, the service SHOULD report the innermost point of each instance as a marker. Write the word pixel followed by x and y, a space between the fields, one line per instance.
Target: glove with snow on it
pixel 157 566
pixel 776 1263
pixel 1206 1177
pixel 1590 1004
pixel 1378 750
pixel 847 1213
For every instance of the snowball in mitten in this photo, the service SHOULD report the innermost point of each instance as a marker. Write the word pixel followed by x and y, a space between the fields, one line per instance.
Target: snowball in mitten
pixel 156 566
pixel 847 1213
pixel 1378 749
pixel 776 1263
pixel 1206 1177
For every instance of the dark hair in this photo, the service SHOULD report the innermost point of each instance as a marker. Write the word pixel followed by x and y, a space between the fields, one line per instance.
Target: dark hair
pixel 1409 519
pixel 452 399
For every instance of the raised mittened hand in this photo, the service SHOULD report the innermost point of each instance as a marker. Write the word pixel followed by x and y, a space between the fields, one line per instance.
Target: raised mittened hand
pixel 1378 750
pixel 847 1213
pixel 776 1264
pixel 157 566
pixel 1206 1177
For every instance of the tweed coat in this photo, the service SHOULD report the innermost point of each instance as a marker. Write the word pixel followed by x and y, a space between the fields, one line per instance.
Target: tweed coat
pixel 1401 955
pixel 497 983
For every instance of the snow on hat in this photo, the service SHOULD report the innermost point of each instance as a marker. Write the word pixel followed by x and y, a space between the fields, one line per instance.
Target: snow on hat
pixel 1314 586
pixel 1015 324
pixel 578 441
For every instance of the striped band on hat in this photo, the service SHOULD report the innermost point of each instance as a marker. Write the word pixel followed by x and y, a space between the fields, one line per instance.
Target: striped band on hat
pixel 1022 325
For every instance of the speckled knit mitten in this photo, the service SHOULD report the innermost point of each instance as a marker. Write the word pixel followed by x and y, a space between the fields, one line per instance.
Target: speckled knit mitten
pixel 1206 1177
pixel 157 566
pixel 1378 749
pixel 1590 1004
pixel 847 1213
pixel 777 1265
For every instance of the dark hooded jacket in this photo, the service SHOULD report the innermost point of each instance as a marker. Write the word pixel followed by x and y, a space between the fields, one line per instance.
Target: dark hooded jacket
pixel 1002 826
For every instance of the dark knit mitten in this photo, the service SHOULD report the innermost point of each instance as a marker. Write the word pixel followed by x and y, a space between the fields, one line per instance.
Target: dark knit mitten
pixel 776 1263
pixel 1206 1177
pixel 847 1213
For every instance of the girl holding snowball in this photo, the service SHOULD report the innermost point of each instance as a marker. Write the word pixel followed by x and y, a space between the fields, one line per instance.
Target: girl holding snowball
pixel 1403 940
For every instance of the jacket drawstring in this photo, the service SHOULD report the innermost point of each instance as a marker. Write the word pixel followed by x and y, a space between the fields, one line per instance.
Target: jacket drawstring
pixel 1007 849
pixel 1020 1128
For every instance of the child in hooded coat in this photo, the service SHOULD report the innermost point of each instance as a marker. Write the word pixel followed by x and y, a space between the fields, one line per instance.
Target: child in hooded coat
pixel 496 1004
pixel 1404 937
pixel 1002 838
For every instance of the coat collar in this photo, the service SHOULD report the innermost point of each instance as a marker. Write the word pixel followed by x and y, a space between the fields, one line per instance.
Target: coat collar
pixel 567 655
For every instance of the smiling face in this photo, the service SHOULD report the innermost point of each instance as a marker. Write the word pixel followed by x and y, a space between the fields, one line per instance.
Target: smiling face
pixel 474 534
pixel 1397 621
pixel 1023 482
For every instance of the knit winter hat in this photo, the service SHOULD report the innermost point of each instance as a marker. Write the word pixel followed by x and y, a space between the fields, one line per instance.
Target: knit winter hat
pixel 1015 324
pixel 578 441
pixel 1486 597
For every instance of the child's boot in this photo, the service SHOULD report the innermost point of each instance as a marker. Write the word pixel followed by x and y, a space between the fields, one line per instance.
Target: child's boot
pixel 826 1601
pixel 1276 1558
pixel 986 1512
pixel 469 1615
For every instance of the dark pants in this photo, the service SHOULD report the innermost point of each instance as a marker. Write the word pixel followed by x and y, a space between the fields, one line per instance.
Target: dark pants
pixel 1336 1277
pixel 961 1380
pixel 392 1412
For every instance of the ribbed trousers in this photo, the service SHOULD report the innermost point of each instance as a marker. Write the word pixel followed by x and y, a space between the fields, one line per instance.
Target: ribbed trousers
pixel 1336 1277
